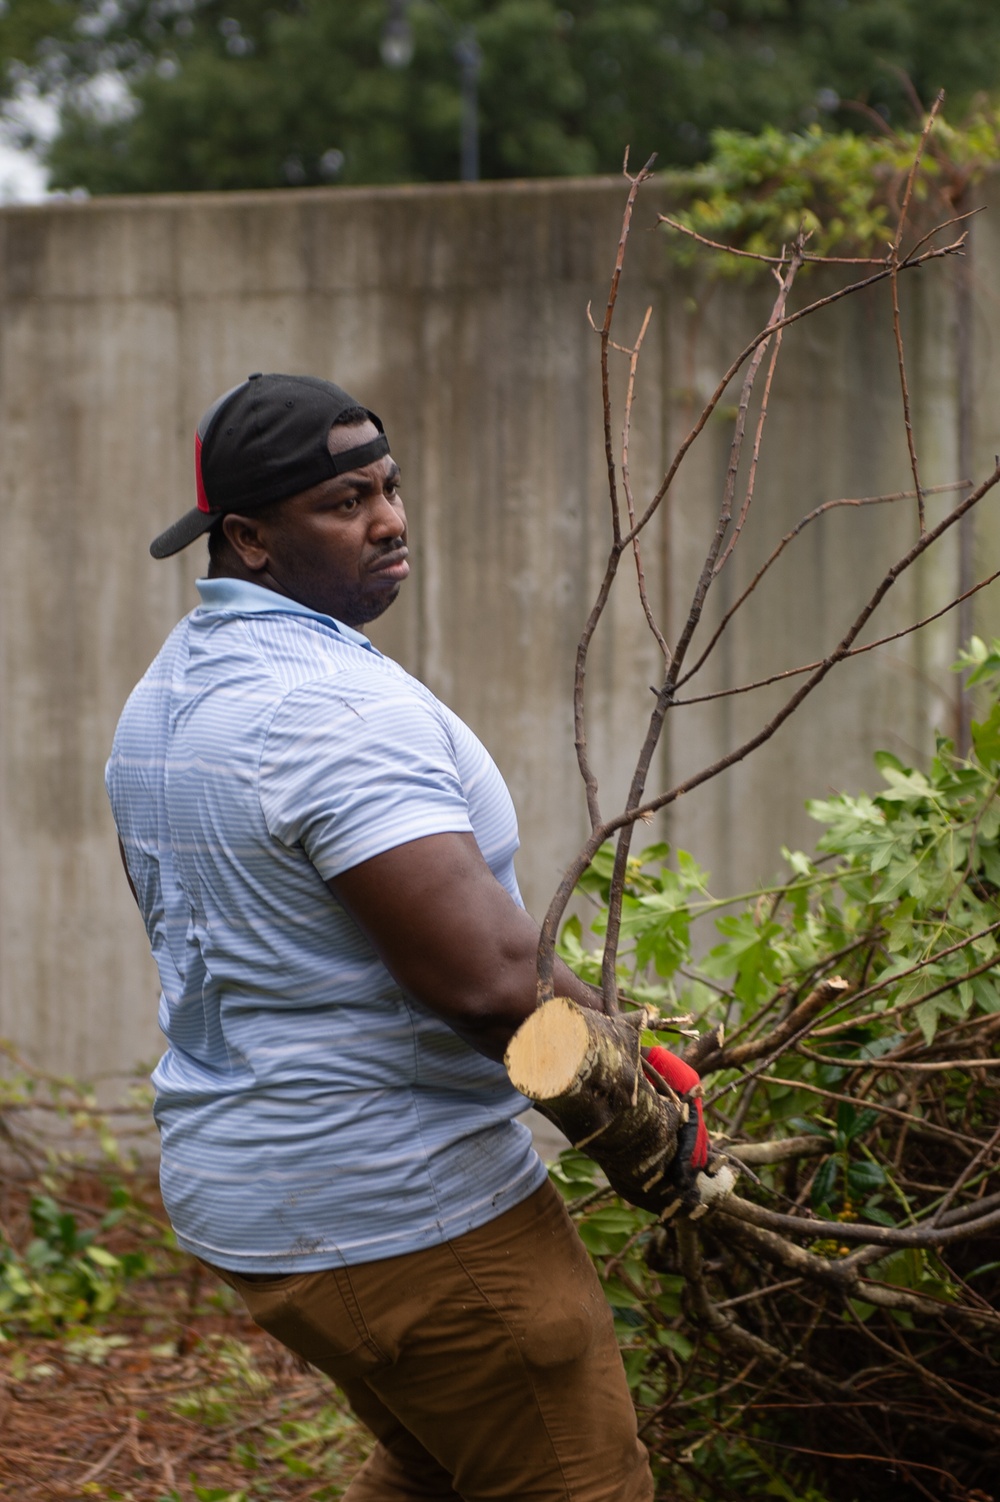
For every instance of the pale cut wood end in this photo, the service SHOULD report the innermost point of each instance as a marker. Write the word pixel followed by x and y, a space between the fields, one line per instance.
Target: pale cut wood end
pixel 545 1055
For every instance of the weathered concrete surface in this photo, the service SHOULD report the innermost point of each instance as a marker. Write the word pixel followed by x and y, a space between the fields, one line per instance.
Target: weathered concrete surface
pixel 460 315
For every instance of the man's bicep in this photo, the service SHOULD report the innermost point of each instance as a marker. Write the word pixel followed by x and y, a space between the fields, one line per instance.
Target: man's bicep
pixel 445 928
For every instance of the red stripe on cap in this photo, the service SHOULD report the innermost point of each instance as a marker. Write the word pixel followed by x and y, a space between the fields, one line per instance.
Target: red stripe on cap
pixel 198 481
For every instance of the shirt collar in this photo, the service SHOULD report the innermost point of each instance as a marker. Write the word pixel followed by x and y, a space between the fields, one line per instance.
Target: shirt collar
pixel 243 598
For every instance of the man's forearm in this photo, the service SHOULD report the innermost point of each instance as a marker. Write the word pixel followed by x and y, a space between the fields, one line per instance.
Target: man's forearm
pixel 492 1033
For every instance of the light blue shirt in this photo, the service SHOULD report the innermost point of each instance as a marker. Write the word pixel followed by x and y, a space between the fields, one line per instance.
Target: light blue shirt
pixel 311 1115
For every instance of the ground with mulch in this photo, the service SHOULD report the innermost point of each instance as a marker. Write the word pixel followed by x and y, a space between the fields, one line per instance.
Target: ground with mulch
pixel 172 1396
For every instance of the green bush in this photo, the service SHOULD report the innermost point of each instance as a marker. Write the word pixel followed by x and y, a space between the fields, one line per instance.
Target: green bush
pixel 751 1366
pixel 757 192
pixel 64 1277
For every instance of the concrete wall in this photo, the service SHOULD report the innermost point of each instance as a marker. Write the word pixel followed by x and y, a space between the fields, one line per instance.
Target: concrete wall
pixel 460 315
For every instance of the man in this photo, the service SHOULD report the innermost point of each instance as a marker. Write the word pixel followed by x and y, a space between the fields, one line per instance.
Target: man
pixel 322 854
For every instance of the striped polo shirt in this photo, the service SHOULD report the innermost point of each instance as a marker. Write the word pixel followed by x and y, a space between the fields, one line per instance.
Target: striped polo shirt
pixel 311 1115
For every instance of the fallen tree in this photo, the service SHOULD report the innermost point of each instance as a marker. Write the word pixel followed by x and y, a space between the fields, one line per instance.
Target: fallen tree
pixel 857 997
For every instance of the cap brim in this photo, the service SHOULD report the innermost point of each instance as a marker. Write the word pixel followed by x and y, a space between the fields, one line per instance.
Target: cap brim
pixel 195 524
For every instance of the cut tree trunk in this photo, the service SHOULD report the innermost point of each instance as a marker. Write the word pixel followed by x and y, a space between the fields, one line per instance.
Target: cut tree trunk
pixel 583 1070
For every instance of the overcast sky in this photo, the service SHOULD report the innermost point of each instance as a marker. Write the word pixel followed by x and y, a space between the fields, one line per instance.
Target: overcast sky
pixel 22 180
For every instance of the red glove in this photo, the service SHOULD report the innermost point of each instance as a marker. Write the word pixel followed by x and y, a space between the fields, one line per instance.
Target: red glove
pixel 682 1078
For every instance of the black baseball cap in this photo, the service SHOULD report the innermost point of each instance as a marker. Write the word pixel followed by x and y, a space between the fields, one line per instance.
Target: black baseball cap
pixel 265 440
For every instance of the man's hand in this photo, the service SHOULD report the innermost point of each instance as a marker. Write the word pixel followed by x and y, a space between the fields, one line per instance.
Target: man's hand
pixel 452 937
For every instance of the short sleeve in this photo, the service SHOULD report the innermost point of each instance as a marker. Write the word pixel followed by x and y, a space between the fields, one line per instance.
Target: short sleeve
pixel 349 771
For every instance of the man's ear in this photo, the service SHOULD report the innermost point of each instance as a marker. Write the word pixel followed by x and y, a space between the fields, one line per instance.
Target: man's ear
pixel 244 535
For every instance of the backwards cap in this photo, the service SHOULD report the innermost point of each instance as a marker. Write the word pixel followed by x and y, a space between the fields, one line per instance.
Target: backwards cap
pixel 265 440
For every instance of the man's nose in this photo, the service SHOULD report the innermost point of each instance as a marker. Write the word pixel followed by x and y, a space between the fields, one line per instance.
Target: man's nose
pixel 388 518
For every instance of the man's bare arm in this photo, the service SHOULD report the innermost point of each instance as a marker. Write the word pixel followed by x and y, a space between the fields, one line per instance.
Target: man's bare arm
pixel 128 878
pixel 452 937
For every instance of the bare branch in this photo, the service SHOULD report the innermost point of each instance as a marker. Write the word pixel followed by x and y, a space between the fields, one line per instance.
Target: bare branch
pixel 583 649
pixel 794 1025
pixel 910 263
pixel 786 1267
pixel 676 658
pixel 942 1215
pixel 777 1150
pixel 896 320
pixel 935 110
pixel 881 641
pixel 888 1236
pixel 789 537
pixel 754 255
pixel 898 1066
pixel 725 1327
pixel 627 488
pixel 944 1134
pixel 737 531
pixel 609 313
pixel 629 816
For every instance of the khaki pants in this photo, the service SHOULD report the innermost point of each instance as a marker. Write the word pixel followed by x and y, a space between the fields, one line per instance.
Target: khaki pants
pixel 487 1367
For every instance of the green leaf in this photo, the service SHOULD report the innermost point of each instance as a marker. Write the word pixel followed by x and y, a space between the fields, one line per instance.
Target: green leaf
pixel 986 993
pixel 297 1466
pixel 676 1342
pixel 903 1268
pixel 805 1125
pixel 876 1215
pixel 597 877
pixel 799 863
pixel 692 876
pixel 928 1013
pixel 823 1183
pixel 102 1257
pixel 618 1218
pixel 984 1267
pixel 597 1244
pixel 987 670
pixel 887 762
pixel 900 927
pixel 584 962
pixel 862 1122
pixel 863 1178
pixel 986 737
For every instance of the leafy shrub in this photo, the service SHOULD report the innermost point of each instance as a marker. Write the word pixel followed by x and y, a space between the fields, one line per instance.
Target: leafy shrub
pixel 756 192
pixel 64 1277
pixel 801 1358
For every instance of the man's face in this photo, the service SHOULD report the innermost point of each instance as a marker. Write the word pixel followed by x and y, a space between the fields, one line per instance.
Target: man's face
pixel 340 547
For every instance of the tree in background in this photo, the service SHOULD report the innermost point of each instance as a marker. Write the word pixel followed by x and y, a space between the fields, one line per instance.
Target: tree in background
pixel 179 95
